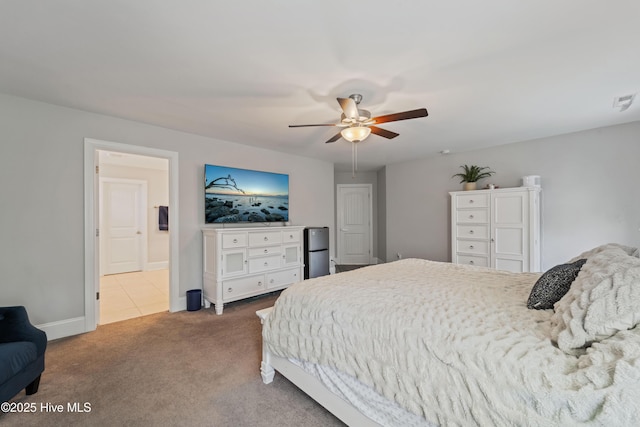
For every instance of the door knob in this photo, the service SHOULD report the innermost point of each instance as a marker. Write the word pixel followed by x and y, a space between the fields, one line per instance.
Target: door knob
pixel 138 232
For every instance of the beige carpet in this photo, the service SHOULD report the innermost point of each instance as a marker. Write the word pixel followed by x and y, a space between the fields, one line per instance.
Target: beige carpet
pixel 187 368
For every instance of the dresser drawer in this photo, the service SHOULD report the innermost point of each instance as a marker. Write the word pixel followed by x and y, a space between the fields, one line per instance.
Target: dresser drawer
pixel 472 216
pixel 290 236
pixel 232 289
pixel 473 247
pixel 268 250
pixel 472 260
pixel 473 201
pixel 283 278
pixel 265 238
pixel 238 240
pixel 257 265
pixel 473 231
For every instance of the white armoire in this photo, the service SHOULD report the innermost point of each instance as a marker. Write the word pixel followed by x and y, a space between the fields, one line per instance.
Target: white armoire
pixel 497 228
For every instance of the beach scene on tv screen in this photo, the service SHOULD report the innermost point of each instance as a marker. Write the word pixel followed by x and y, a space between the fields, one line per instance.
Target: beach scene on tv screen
pixel 241 195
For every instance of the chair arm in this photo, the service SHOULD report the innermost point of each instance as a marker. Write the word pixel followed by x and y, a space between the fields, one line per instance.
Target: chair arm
pixel 15 326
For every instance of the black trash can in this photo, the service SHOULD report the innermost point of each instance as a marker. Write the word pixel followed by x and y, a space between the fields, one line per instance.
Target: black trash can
pixel 194 300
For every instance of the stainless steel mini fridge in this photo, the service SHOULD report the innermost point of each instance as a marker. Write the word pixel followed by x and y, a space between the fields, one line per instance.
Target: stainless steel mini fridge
pixel 316 252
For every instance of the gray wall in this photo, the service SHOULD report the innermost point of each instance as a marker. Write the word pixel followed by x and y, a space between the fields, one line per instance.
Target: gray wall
pixel 590 192
pixel 42 205
pixel 382 214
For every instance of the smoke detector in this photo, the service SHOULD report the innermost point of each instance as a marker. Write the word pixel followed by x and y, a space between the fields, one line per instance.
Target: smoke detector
pixel 623 102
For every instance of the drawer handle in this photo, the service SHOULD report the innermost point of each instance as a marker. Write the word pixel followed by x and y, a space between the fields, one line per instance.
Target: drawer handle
pixel 471 262
pixel 230 290
pixel 471 201
pixel 266 238
pixel 235 240
pixel 266 264
pixel 271 281
pixel 291 236
pixel 470 216
pixel 470 231
pixel 259 284
pixel 470 246
pixel 266 251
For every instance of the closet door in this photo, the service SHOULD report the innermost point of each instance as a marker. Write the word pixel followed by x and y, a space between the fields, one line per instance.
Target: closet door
pixel 509 231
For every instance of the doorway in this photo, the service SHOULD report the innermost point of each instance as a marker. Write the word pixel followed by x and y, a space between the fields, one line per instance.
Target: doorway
pixel 134 252
pixel 123 249
pixel 355 228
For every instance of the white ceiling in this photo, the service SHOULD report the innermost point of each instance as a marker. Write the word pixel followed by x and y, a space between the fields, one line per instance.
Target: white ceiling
pixel 489 73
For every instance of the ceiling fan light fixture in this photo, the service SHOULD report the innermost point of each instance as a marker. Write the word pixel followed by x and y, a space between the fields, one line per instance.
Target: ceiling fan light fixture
pixel 356 133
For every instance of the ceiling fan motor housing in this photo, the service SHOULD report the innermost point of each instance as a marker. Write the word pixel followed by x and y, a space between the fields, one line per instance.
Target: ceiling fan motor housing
pixel 363 116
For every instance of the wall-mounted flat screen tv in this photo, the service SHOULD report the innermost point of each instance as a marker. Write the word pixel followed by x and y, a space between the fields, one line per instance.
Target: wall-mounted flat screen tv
pixel 240 195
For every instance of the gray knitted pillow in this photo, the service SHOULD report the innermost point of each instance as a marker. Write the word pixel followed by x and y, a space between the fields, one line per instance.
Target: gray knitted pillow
pixel 553 285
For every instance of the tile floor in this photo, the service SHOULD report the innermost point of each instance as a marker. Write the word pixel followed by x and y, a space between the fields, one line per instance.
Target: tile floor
pixel 128 295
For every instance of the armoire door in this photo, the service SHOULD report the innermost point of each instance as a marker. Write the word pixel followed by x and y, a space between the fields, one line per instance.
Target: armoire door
pixel 510 239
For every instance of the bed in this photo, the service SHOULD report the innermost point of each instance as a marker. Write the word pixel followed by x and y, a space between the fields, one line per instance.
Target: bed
pixel 416 342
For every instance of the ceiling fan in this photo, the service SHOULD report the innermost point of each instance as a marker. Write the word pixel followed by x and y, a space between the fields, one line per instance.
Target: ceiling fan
pixel 358 124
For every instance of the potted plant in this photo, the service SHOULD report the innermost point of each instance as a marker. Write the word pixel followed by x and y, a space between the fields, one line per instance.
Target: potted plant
pixel 472 174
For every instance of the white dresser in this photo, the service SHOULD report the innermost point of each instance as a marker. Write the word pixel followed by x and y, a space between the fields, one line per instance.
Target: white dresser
pixel 243 262
pixel 497 228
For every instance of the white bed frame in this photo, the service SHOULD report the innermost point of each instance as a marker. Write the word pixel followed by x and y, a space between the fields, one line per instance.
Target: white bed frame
pixel 309 384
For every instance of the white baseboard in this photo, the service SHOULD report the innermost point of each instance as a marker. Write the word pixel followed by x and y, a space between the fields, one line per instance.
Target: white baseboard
pixel 76 325
pixel 63 328
pixel 158 265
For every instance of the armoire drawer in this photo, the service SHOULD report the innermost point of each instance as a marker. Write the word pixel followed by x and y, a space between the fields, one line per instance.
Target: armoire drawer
pixel 472 216
pixel 479 247
pixel 479 261
pixel 473 231
pixel 473 201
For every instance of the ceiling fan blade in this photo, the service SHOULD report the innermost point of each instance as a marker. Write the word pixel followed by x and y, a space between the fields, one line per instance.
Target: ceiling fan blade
pixel 335 137
pixel 413 114
pixel 321 124
pixel 349 108
pixel 383 132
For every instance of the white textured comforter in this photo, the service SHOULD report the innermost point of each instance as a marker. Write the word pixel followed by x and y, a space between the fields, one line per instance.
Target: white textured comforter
pixel 456 345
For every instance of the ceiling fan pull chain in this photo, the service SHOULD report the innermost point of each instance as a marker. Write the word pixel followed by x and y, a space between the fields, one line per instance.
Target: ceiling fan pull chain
pixel 355 150
pixel 353 161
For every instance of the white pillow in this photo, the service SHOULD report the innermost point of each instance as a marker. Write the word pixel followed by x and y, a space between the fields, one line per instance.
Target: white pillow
pixel 604 299
pixel 591 252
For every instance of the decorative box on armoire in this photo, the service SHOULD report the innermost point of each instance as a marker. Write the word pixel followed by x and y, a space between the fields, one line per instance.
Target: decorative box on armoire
pixel 498 228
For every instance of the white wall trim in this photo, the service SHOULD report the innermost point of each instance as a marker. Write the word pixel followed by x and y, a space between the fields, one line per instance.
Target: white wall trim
pixel 63 328
pixel 91 148
pixel 157 265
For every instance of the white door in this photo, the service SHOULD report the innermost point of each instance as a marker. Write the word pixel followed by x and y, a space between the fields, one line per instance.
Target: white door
pixel 122 225
pixel 354 224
